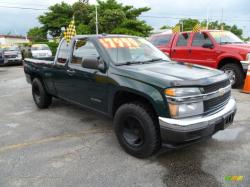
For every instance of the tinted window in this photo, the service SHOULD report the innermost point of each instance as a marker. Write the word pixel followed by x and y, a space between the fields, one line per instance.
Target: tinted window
pixel 183 39
pixel 161 40
pixel 83 49
pixel 200 39
pixel 63 53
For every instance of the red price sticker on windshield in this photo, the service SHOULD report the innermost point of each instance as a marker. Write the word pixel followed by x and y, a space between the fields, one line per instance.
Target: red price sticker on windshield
pixel 119 43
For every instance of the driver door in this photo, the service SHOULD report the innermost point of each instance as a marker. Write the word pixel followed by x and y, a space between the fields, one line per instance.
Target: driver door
pixel 198 53
pixel 87 87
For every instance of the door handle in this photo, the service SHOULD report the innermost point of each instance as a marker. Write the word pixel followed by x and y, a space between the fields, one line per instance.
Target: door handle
pixel 190 51
pixel 71 72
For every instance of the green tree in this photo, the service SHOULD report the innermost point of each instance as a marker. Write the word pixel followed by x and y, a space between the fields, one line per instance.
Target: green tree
pixel 113 17
pixel 188 24
pixel 165 27
pixel 217 25
pixel 37 34
pixel 58 16
pixel 83 29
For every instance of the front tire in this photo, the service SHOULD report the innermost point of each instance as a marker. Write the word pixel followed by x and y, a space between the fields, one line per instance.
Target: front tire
pixel 235 73
pixel 137 130
pixel 40 96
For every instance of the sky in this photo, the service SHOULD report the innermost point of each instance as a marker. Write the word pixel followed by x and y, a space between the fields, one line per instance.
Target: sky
pixel 163 12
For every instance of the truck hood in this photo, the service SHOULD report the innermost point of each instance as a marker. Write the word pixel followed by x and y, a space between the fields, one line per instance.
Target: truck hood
pixel 244 46
pixel 173 74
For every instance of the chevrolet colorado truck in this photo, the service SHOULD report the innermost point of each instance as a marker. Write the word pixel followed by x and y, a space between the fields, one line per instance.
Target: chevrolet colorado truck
pixel 213 48
pixel 154 102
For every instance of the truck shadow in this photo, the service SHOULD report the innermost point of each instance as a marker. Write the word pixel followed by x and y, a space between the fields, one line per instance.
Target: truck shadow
pixel 184 168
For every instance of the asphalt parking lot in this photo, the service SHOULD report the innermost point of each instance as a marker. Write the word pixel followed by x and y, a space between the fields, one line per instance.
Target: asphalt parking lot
pixel 69 146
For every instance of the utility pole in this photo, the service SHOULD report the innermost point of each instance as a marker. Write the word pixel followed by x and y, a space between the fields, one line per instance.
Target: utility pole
pixel 181 25
pixel 207 19
pixel 96 20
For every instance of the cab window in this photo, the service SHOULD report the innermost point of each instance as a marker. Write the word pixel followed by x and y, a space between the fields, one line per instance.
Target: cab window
pixel 83 49
pixel 200 39
pixel 63 53
pixel 161 40
pixel 183 39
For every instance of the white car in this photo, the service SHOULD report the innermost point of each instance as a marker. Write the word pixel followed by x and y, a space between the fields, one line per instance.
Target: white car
pixel 40 51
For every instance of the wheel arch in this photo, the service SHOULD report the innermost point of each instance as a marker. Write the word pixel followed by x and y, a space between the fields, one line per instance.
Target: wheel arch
pixel 227 60
pixel 125 96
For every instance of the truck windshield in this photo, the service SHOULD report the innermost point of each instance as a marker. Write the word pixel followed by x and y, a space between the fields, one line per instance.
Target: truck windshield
pixel 225 37
pixel 131 50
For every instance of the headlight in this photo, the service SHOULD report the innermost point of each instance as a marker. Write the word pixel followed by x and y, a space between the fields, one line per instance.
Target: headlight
pixel 184 102
pixel 248 57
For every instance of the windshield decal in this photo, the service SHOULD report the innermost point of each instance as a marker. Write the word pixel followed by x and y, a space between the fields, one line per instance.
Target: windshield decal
pixel 119 43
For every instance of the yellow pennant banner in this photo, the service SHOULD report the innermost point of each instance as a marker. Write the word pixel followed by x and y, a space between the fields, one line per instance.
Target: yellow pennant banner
pixel 176 29
pixel 197 28
pixel 70 31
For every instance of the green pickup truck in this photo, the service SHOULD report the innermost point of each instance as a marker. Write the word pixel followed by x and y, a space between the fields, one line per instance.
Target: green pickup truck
pixel 154 102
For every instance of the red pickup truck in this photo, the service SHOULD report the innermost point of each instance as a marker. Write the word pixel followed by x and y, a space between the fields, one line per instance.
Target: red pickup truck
pixel 213 48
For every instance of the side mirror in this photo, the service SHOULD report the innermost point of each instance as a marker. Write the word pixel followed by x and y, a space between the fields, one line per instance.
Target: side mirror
pixel 207 45
pixel 93 63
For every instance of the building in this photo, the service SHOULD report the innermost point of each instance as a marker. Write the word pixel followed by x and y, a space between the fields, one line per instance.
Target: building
pixel 12 39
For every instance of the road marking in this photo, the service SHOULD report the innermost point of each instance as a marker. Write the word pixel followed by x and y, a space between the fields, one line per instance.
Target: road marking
pixel 51 139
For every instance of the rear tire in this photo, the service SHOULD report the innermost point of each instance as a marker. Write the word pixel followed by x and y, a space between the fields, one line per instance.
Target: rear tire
pixel 235 73
pixel 137 130
pixel 40 96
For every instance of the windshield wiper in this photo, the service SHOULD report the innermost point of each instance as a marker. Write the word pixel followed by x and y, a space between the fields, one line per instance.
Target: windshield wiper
pixel 225 43
pixel 129 63
pixel 141 62
pixel 238 42
pixel 154 60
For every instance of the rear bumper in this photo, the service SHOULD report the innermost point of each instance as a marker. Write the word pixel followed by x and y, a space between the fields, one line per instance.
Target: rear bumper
pixel 179 132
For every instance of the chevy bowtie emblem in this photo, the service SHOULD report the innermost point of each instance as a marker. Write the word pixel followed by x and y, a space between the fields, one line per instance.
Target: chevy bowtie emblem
pixel 222 91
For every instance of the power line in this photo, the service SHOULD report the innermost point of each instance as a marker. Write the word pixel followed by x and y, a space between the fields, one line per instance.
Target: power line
pixel 194 17
pixel 17 4
pixel 22 8
pixel 143 16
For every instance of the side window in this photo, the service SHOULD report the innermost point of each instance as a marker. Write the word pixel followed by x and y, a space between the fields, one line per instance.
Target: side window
pixel 63 53
pixel 161 40
pixel 83 49
pixel 183 39
pixel 200 39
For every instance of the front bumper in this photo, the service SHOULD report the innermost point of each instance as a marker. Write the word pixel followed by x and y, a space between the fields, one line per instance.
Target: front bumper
pixel 178 132
pixel 245 65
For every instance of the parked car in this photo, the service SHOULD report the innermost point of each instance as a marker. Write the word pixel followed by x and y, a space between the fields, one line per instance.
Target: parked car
pixel 11 55
pixel 1 57
pixel 213 48
pixel 40 51
pixel 153 101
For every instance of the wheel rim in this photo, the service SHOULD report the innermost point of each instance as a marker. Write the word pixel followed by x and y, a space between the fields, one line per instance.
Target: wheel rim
pixel 132 132
pixel 231 75
pixel 36 93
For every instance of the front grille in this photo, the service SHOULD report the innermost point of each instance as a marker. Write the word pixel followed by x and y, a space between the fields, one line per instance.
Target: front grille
pixel 216 86
pixel 216 103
